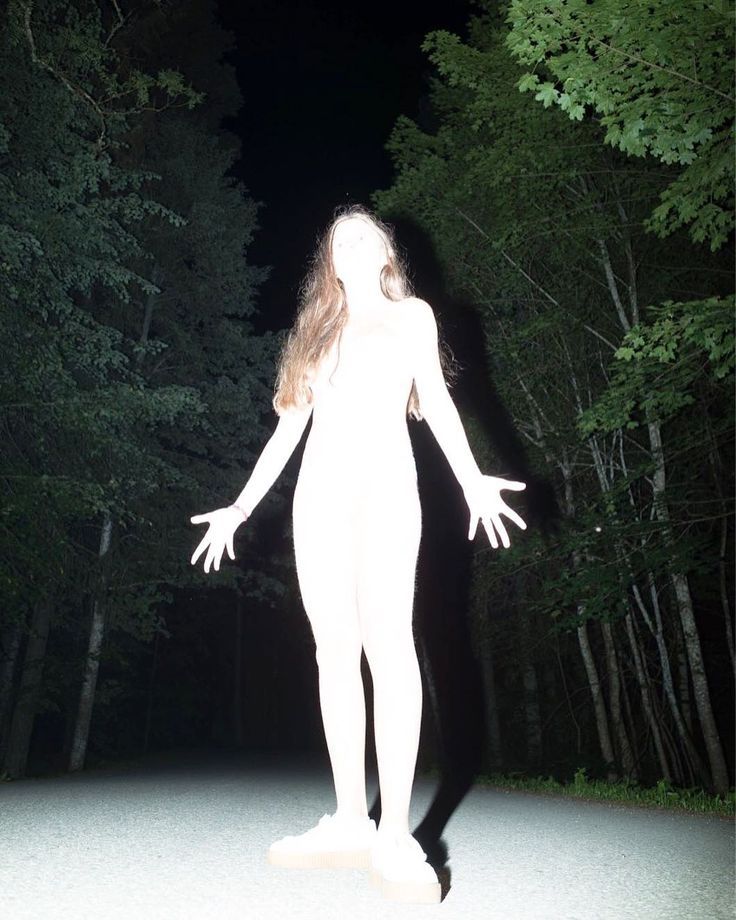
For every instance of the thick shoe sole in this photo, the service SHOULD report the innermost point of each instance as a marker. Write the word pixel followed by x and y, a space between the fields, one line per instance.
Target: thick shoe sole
pixel 336 859
pixel 407 892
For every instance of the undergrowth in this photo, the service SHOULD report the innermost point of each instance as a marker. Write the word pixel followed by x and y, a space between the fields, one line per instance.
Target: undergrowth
pixel 662 795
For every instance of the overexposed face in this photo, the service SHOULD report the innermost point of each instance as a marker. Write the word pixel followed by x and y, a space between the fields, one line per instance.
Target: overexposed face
pixel 357 249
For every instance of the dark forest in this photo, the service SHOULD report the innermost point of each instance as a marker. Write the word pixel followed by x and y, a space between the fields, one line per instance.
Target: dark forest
pixel 563 197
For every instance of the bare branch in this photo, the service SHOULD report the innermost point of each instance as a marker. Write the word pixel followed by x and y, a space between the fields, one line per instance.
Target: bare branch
pixel 76 90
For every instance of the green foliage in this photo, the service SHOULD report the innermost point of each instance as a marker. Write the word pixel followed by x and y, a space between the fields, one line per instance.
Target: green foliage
pixel 132 382
pixel 659 77
pixel 659 362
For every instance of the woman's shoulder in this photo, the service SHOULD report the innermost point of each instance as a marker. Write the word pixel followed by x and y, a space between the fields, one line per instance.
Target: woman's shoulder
pixel 418 315
pixel 416 309
pixel 415 303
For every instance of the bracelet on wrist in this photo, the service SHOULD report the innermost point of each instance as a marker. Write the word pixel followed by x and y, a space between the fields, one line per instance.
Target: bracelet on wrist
pixel 241 510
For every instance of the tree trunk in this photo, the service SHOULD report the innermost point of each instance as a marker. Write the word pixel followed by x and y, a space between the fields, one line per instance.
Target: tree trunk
pixel 717 469
pixel 24 712
pixel 718 769
pixel 630 723
pixel 658 632
pixel 596 692
pixel 494 753
pixel 531 713
pixel 719 772
pixel 96 635
pixel 693 757
pixel 614 694
pixel 683 680
pixel 646 699
pixel 11 647
pixel 723 585
pixel 149 701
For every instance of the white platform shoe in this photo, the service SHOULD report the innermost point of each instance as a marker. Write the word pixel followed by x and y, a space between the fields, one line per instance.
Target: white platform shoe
pixel 335 843
pixel 399 868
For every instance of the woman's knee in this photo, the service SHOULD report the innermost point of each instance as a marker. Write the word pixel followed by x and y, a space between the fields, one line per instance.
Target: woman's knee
pixel 338 649
pixel 391 656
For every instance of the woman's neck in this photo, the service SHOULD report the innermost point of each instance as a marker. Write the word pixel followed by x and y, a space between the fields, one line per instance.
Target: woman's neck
pixel 362 293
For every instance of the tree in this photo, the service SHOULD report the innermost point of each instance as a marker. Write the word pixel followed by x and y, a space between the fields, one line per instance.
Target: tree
pixel 133 380
pixel 660 78
pixel 541 226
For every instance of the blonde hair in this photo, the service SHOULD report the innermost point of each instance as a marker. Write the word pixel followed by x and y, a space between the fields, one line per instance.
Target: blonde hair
pixel 323 312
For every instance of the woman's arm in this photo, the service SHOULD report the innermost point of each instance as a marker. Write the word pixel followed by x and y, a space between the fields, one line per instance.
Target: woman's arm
pixel 274 455
pixel 435 402
pixel 482 493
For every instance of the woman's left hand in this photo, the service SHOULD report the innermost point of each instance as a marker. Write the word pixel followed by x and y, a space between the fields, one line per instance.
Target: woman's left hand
pixel 485 504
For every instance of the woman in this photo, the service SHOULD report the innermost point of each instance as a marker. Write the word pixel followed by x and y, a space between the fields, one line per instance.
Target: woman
pixel 361 356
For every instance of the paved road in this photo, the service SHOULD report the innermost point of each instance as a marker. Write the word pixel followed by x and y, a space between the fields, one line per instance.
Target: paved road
pixel 184 837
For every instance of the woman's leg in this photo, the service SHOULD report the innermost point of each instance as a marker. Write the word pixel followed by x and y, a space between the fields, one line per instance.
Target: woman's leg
pixel 389 543
pixel 326 572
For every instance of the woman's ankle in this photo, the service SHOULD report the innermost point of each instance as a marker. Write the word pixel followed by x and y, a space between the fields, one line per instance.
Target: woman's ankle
pixel 393 828
pixel 351 814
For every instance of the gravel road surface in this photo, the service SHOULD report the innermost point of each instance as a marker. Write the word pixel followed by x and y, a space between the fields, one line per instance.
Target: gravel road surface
pixel 184 836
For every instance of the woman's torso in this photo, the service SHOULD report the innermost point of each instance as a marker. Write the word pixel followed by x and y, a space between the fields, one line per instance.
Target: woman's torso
pixel 360 394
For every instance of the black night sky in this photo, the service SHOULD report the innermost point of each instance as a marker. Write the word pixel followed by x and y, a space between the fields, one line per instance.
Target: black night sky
pixel 322 85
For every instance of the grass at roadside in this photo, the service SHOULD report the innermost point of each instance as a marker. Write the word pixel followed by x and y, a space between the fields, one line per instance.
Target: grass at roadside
pixel 663 795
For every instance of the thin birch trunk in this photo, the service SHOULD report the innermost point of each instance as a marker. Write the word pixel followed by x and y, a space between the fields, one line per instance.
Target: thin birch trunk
pixel 694 758
pixel 718 769
pixel 614 696
pixel 695 762
pixel 96 635
pixel 627 568
pixel 596 691
pixel 681 585
pixel 643 681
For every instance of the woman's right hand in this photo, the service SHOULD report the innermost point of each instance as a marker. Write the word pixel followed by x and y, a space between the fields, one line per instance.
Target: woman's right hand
pixel 223 524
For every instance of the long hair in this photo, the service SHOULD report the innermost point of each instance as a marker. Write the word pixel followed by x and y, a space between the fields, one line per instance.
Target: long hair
pixel 322 313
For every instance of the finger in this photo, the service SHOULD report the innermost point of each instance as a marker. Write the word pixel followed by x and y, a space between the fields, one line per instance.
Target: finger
pixel 473 526
pixel 200 518
pixel 230 550
pixel 199 550
pixel 514 517
pixel 491 532
pixel 208 560
pixel 501 530
pixel 514 485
